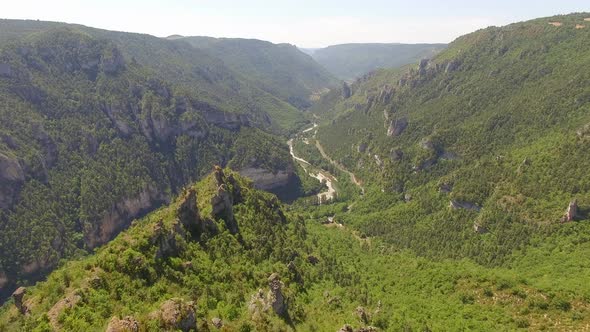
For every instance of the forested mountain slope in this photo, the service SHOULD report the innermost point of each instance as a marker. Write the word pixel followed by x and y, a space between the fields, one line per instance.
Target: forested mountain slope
pixel 476 151
pixel 280 69
pixel 224 256
pixel 350 61
pixel 99 127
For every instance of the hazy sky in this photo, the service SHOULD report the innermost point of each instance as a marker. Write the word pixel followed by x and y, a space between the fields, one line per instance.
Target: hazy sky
pixel 305 23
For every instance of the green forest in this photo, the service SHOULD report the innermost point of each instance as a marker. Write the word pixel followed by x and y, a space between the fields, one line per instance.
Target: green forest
pixel 462 197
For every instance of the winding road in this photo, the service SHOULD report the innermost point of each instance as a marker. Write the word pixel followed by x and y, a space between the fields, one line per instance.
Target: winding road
pixel 323 175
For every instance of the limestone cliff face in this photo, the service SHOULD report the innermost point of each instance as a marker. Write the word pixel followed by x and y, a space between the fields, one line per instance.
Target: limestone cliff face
pixel 226 120
pixel 266 180
pixel 120 215
pixel 12 178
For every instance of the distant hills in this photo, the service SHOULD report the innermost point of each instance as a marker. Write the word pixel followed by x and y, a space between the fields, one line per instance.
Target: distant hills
pixel 349 61
pixel 280 69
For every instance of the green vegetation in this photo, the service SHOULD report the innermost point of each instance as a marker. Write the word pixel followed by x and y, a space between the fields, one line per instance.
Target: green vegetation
pixel 496 122
pixel 468 163
pixel 280 69
pixel 330 276
pixel 100 127
pixel 350 61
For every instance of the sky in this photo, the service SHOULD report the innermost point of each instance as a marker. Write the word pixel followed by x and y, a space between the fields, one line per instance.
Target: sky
pixel 305 23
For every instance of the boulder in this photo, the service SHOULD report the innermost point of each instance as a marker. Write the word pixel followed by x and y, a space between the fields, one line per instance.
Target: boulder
pixel 362 147
pixel 427 143
pixel 18 296
pixel 176 314
pixel 407 197
pixel 127 324
pixel 397 127
pixel 217 322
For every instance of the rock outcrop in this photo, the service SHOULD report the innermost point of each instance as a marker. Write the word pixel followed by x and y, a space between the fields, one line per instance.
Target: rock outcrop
pixel 397 127
pixel 455 205
pixel 231 121
pixel 165 239
pixel 275 296
pixel 223 200
pixel 571 212
pixel 18 297
pixel 452 66
pixel 188 212
pixel 112 61
pixel 113 114
pixel 176 314
pixel 362 315
pixel 346 328
pixel 266 180
pixel 66 303
pixel 274 299
pixel 12 177
pixel 346 92
pixel 126 324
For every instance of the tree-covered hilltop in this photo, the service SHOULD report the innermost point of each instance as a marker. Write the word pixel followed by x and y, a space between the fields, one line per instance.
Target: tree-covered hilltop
pixel 207 253
pixel 99 127
pixel 474 152
pixel 351 61
pixel 280 69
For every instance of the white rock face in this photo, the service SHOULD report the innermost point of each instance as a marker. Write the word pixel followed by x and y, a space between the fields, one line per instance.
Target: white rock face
pixel 266 180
